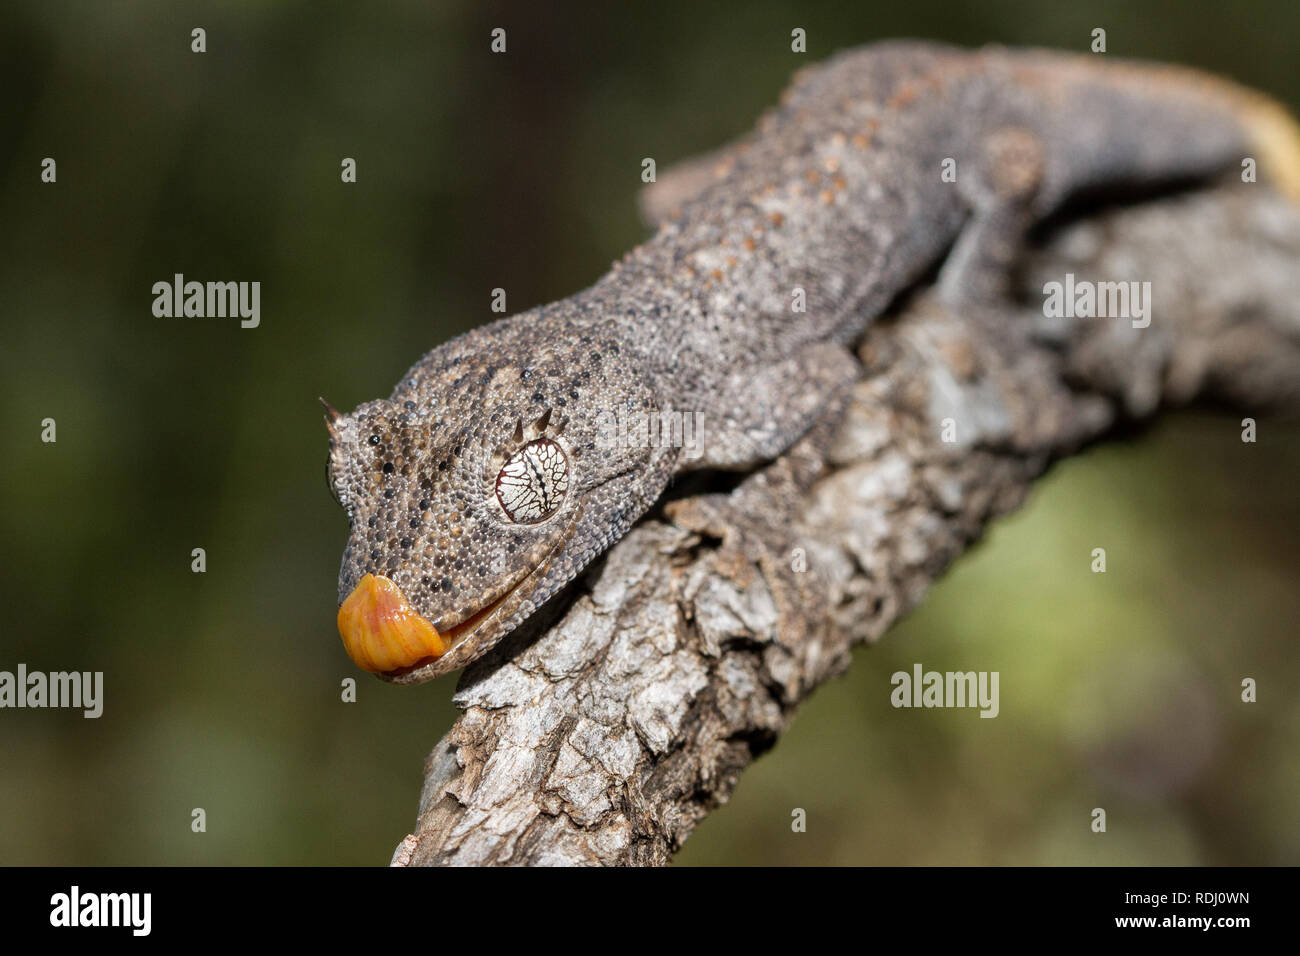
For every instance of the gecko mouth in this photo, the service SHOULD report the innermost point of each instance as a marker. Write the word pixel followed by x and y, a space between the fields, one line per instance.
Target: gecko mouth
pixel 385 635
pixel 382 632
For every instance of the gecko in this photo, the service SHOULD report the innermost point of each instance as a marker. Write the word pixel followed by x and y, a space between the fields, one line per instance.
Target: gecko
pixel 496 472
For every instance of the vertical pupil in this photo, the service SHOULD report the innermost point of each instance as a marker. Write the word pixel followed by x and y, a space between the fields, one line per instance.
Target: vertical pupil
pixel 532 483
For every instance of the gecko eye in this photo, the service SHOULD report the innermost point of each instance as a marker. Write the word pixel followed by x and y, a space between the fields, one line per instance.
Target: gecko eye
pixel 532 483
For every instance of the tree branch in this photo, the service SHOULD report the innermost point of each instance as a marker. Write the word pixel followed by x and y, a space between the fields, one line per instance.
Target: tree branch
pixel 683 655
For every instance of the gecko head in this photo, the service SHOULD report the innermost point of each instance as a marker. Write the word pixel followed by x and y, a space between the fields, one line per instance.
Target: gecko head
pixel 454 523
pixel 473 496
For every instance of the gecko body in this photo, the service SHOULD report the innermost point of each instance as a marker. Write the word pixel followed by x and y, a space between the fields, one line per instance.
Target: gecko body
pixel 490 478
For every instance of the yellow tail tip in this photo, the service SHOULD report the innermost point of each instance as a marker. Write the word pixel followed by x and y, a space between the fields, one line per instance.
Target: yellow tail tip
pixel 1276 137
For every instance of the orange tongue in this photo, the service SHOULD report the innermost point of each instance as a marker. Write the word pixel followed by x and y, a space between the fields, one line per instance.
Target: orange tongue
pixel 381 631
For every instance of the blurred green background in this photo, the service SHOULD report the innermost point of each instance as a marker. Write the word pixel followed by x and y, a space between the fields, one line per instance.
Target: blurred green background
pixel 474 171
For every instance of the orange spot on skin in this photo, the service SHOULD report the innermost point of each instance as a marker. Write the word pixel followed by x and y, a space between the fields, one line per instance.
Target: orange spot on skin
pixel 776 219
pixel 812 176
pixel 827 197
pixel 716 273
pixel 861 140
pixel 749 245
pixel 906 93
pixel 382 632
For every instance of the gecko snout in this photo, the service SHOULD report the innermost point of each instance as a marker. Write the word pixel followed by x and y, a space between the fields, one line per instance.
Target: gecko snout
pixel 382 633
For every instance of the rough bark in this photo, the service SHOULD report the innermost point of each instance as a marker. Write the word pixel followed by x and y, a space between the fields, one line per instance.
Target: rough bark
pixel 604 734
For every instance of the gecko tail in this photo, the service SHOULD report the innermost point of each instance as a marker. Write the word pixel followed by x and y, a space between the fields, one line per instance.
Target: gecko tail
pixel 1276 135
pixel 1271 131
